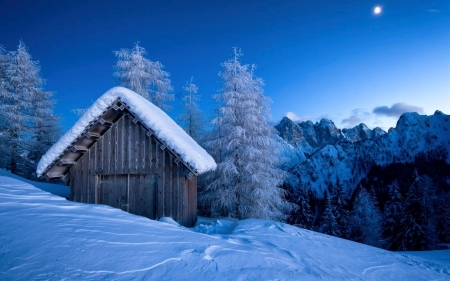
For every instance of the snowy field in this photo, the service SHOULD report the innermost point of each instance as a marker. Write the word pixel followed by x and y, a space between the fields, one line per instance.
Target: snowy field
pixel 45 237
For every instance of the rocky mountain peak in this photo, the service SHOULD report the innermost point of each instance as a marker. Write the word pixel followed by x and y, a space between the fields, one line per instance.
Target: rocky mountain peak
pixel 348 154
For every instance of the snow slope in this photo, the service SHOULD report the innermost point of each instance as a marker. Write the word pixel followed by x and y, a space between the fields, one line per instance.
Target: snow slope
pixel 44 237
pixel 56 189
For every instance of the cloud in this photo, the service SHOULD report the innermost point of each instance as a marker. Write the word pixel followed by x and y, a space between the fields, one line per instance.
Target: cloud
pixel 433 11
pixel 397 109
pixel 357 116
pixel 294 117
pixel 323 116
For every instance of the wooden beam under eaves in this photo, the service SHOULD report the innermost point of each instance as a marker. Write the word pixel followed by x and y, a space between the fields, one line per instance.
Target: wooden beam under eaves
pixel 50 176
pixel 105 122
pixel 79 149
pixel 66 162
pixel 92 135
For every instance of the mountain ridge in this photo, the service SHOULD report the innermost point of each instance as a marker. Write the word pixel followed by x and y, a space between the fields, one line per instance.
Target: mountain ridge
pixel 328 154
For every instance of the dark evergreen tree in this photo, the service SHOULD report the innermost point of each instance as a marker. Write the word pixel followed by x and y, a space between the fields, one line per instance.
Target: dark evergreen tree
pixel 340 211
pixel 413 228
pixel 301 215
pixel 392 217
pixel 365 220
pixel 328 222
pixel 443 219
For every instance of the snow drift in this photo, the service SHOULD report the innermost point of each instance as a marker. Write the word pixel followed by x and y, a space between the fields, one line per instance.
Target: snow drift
pixel 44 237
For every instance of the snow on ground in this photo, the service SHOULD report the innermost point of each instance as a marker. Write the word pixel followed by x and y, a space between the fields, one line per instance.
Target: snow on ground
pixel 45 237
pixel 56 189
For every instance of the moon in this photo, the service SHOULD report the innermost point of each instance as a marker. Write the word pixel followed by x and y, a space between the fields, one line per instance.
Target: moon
pixel 377 10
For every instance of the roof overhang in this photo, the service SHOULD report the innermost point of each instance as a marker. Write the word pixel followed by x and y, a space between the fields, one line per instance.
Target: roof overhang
pixel 60 167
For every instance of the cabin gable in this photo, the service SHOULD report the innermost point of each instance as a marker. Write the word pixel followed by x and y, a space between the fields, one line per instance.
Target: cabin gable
pixel 119 162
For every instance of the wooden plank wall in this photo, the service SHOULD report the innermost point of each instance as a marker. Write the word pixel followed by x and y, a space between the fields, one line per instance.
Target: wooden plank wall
pixel 125 149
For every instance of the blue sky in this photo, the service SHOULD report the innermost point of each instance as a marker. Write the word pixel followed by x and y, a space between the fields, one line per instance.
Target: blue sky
pixel 332 59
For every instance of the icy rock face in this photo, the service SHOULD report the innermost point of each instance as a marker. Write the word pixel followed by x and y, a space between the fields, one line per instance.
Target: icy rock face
pixel 289 131
pixel 310 137
pixel 348 154
pixel 361 132
pixel 293 135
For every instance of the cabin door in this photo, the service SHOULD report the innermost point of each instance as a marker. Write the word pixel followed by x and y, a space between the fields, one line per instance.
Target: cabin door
pixel 143 195
pixel 133 193
pixel 113 190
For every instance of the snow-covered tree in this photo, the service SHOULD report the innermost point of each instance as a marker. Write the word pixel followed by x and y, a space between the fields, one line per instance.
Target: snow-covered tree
pixel 246 183
pixel 143 76
pixel 413 231
pixel 392 217
pixel 328 223
pixel 27 126
pixel 22 82
pixel 191 115
pixel 4 61
pixel 365 220
pixel 46 128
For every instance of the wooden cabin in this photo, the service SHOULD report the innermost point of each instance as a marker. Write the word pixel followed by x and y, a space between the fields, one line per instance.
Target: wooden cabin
pixel 113 156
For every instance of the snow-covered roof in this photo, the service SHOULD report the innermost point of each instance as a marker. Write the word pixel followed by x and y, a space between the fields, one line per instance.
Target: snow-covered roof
pixel 153 117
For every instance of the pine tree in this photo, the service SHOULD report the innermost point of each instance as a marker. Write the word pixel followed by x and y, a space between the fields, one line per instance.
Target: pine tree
pixel 328 223
pixel 365 220
pixel 4 94
pixel 4 60
pixel 413 226
pixel 28 126
pixel 46 128
pixel 339 205
pixel 443 220
pixel 191 116
pixel 392 217
pixel 143 76
pixel 302 215
pixel 246 181
pixel 21 83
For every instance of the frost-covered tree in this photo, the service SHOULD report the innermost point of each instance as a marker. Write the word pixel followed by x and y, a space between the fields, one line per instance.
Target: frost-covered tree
pixel 365 220
pixel 46 128
pixel 22 82
pixel 392 217
pixel 302 215
pixel 4 59
pixel 4 98
pixel 143 76
pixel 414 230
pixel 246 183
pixel 27 120
pixel 4 62
pixel 328 223
pixel 191 116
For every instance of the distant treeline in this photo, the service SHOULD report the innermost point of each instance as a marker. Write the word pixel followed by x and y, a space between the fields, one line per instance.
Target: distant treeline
pixel 401 206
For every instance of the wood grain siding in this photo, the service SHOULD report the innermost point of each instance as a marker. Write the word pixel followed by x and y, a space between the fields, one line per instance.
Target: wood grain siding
pixel 128 169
